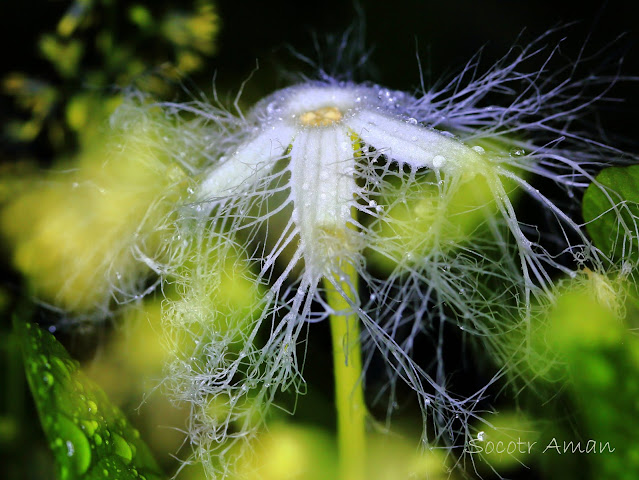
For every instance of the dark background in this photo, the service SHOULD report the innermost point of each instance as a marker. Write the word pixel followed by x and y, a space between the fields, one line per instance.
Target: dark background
pixel 445 34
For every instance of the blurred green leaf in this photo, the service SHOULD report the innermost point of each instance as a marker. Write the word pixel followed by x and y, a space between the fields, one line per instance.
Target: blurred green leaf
pixel 76 13
pixel 65 56
pixel 612 212
pixel 90 438
pixel 602 358
pixel 141 16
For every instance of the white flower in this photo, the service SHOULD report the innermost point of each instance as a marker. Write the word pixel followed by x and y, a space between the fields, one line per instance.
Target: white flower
pixel 416 193
pixel 321 126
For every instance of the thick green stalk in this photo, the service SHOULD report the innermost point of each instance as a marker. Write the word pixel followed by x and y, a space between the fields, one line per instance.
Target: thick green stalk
pixel 347 366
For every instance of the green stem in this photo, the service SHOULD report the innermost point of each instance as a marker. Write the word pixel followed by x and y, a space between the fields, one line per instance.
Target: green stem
pixel 347 365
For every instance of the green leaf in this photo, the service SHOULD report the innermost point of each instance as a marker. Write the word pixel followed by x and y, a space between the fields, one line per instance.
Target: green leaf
pixel 90 438
pixel 611 210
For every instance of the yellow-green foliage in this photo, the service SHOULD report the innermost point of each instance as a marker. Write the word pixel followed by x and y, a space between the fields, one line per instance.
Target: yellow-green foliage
pixel 585 316
pixel 587 337
pixel 187 36
pixel 441 212
pixel 75 234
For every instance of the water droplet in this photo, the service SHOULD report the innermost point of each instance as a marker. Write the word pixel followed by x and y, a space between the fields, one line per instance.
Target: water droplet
pixel 90 426
pixel 517 152
pixel 481 436
pixel 412 121
pixel 438 161
pixel 372 203
pixel 76 443
pixel 479 149
pixel 372 297
pixel 122 448
pixel 47 379
pixel 93 408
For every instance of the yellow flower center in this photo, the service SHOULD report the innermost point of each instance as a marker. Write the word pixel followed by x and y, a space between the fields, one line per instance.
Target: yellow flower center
pixel 321 117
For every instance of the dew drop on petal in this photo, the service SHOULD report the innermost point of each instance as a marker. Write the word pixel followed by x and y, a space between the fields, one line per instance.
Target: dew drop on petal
pixel 438 161
pixel 479 149
pixel 447 134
